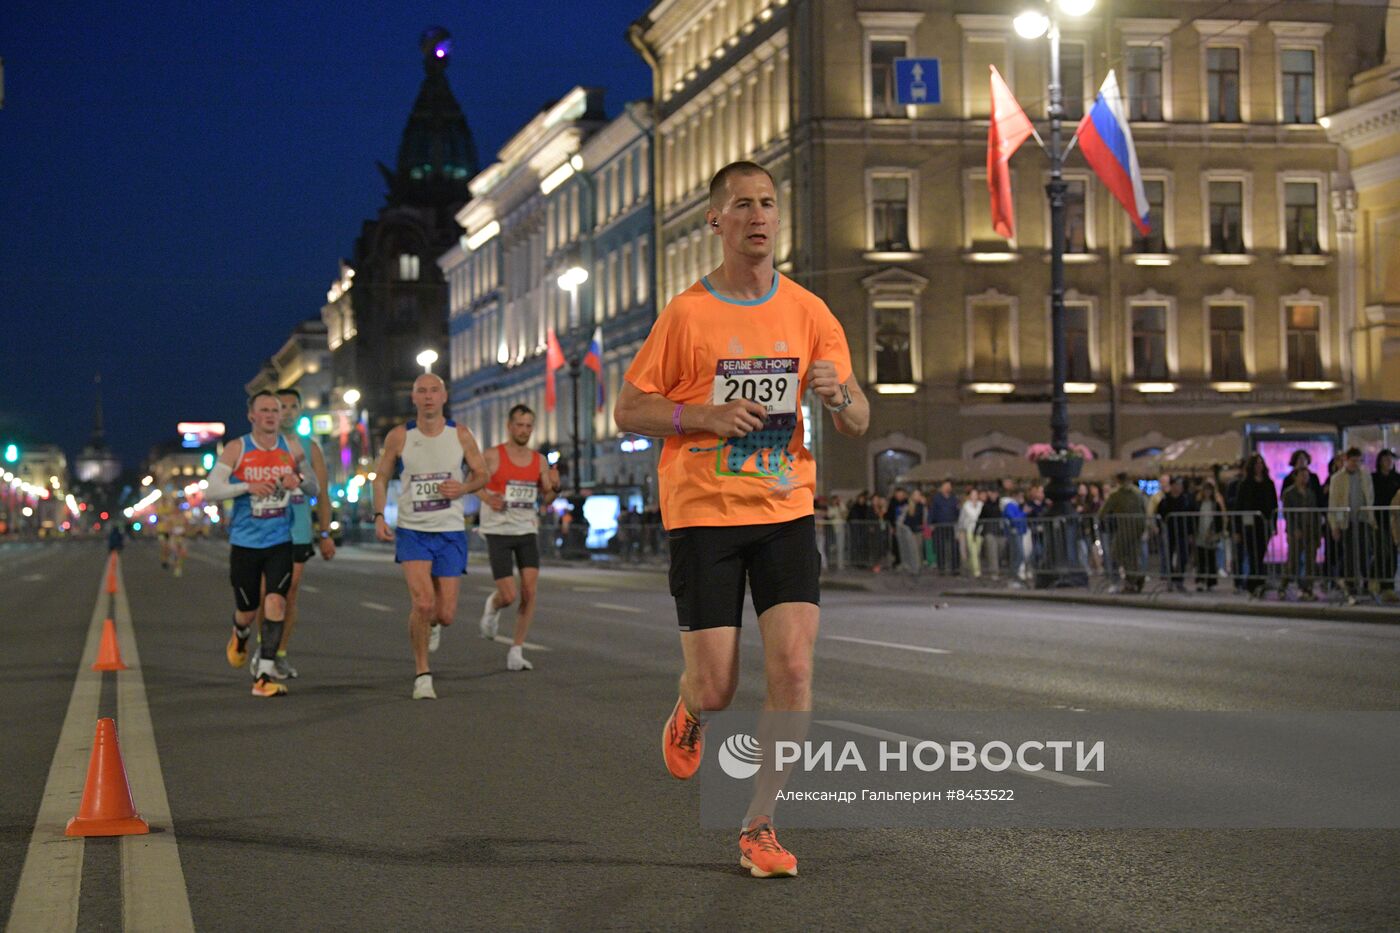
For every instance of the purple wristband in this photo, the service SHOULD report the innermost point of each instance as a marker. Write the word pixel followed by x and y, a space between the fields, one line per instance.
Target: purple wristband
pixel 676 419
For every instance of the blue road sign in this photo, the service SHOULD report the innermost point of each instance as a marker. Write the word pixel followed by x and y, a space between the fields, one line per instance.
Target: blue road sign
pixel 916 81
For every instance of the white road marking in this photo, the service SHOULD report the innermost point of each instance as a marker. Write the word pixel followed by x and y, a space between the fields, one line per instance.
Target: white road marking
pixel 154 893
pixel 51 881
pixel 503 640
pixel 307 587
pixel 379 606
pixel 1054 777
pixel 34 578
pixel 615 607
pixel 589 589
pixel 885 644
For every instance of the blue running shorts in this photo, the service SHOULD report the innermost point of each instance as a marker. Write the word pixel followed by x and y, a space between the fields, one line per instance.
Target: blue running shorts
pixel 446 549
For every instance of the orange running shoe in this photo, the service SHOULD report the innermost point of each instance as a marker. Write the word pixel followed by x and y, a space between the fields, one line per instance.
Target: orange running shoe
pixel 682 742
pixel 265 686
pixel 762 855
pixel 237 649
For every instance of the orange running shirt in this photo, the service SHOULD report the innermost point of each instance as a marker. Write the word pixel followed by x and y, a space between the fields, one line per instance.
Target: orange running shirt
pixel 705 349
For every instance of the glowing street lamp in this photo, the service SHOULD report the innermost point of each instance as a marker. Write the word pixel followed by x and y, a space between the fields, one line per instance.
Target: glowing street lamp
pixel 426 359
pixel 351 396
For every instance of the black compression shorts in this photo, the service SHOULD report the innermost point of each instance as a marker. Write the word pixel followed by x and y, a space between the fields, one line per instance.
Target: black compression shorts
pixel 510 551
pixel 249 567
pixel 709 567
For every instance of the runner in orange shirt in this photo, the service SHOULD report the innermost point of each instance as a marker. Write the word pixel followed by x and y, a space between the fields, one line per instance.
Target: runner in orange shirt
pixel 721 376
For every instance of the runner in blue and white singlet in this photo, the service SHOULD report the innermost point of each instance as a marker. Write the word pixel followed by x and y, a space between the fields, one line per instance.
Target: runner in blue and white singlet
pixel 430 540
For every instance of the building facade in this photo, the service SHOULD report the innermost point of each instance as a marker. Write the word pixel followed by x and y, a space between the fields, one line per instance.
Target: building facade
pixel 389 303
pixel 1240 296
pixel 34 491
pixel 1369 214
pixel 97 467
pixel 571 190
pixel 303 363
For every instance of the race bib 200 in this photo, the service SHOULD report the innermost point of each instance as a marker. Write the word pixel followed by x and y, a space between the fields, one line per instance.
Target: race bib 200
pixel 424 491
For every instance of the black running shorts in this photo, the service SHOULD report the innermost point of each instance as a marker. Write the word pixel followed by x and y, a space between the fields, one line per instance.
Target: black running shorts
pixel 248 567
pixel 709 566
pixel 522 550
pixel 301 553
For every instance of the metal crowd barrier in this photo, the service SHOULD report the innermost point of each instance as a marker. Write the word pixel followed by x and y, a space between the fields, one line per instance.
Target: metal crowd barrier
pixel 1302 554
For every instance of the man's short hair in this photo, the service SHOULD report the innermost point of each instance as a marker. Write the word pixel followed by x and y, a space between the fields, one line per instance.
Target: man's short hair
pixel 719 184
pixel 521 409
pixel 292 392
pixel 1121 478
pixel 1353 452
pixel 253 399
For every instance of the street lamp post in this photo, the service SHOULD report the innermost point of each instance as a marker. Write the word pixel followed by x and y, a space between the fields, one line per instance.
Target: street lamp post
pixel 426 359
pixel 575 542
pixel 1062 469
pixel 1060 565
pixel 570 280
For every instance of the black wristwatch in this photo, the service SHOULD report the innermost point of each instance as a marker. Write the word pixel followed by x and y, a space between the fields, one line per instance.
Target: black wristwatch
pixel 325 534
pixel 378 515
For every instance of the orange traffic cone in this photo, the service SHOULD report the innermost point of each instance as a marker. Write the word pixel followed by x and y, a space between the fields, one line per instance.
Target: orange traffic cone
pixel 107 808
pixel 112 579
pixel 109 655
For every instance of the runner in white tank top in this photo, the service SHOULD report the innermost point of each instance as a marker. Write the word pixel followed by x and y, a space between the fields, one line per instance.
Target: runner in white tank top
pixel 431 540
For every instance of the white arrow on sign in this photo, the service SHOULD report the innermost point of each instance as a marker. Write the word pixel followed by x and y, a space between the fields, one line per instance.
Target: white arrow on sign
pixel 918 71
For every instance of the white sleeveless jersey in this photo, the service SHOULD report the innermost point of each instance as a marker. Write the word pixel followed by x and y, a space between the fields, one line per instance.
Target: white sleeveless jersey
pixel 424 464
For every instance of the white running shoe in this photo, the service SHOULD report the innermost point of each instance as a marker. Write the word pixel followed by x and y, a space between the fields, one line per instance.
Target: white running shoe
pixel 423 687
pixel 490 618
pixel 515 660
pixel 434 638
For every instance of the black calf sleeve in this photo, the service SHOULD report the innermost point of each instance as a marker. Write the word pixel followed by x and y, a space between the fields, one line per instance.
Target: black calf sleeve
pixel 271 637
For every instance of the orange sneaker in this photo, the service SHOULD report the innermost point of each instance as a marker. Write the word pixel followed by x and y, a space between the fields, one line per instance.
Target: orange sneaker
pixel 237 649
pixel 762 855
pixel 265 686
pixel 682 742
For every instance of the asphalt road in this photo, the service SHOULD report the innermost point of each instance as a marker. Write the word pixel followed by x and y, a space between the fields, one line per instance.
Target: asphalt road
pixel 538 800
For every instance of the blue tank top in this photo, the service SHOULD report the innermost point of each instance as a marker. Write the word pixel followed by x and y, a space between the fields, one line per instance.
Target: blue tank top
pixel 262 521
pixel 301 503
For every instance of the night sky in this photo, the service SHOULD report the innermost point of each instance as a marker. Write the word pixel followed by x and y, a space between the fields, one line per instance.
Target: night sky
pixel 178 181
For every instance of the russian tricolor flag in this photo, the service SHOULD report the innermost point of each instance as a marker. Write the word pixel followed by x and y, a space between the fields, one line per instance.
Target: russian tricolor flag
pixel 1108 148
pixel 593 360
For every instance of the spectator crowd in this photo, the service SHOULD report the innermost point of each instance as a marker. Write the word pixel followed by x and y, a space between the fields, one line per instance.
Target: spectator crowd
pixel 1300 537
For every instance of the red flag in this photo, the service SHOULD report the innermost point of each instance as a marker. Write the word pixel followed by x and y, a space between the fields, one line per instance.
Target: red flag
pixel 553 360
pixel 1009 128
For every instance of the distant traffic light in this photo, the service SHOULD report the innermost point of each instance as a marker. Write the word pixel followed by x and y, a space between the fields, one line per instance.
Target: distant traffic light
pixel 304 426
pixel 12 453
pixel 208 461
